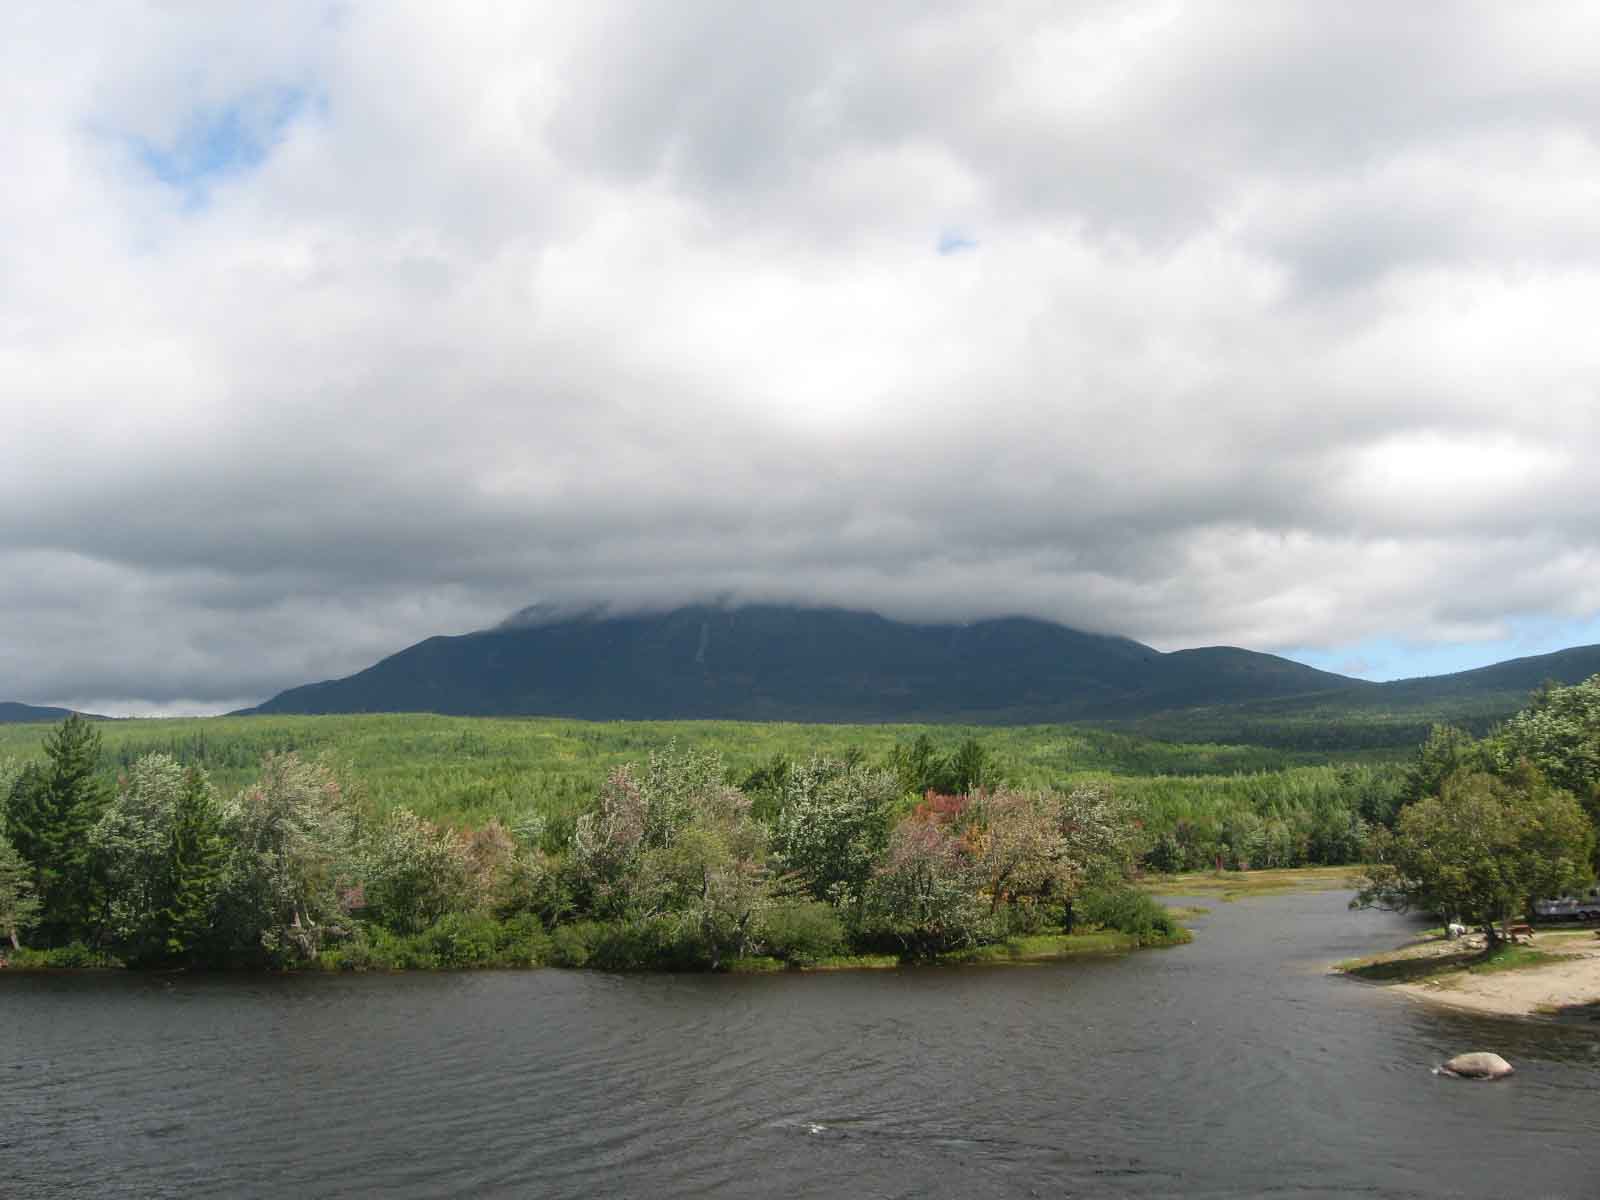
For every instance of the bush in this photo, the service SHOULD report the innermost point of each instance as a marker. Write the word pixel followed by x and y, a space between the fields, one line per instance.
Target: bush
pixel 74 954
pixel 1129 911
pixel 458 940
pixel 662 943
pixel 573 945
pixel 802 932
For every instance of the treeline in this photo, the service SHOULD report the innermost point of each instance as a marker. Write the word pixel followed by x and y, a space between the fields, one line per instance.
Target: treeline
pixel 1553 743
pixel 1489 826
pixel 461 770
pixel 1308 816
pixel 669 865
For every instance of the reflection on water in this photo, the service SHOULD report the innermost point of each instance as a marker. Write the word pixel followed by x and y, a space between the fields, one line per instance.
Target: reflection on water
pixel 1233 1066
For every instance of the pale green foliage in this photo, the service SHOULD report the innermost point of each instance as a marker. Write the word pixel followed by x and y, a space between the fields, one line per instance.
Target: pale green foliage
pixel 293 843
pixel 924 894
pixel 674 843
pixel 1019 848
pixel 641 811
pixel 414 872
pixel 1559 732
pixel 833 825
pixel 1101 834
pixel 133 844
pixel 10 768
pixel 710 877
pixel 1481 850
pixel 607 842
pixel 19 906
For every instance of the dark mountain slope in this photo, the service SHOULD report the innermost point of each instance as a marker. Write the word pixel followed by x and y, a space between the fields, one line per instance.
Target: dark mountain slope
pixel 1515 675
pixel 1373 716
pixel 776 663
pixel 13 713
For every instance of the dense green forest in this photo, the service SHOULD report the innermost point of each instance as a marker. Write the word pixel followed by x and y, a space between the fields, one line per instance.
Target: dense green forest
pixel 465 771
pixel 395 840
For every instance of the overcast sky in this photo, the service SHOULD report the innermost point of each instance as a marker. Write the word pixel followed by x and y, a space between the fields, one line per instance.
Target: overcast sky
pixel 327 327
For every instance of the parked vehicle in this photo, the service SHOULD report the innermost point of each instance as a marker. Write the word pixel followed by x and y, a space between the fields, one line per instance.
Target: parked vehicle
pixel 1570 908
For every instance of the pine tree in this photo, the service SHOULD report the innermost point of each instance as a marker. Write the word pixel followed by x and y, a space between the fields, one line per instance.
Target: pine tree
pixel 195 871
pixel 49 814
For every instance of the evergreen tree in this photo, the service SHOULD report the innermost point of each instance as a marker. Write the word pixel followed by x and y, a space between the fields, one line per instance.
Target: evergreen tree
pixel 49 815
pixel 195 869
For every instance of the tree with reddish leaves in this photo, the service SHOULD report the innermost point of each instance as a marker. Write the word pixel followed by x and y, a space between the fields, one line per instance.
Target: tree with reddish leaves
pixel 923 897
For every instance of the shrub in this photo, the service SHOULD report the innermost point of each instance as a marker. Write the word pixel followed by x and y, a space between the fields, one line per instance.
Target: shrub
pixel 1129 911
pixel 73 954
pixel 573 945
pixel 802 931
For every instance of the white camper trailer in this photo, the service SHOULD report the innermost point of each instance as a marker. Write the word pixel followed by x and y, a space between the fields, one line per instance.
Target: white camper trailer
pixel 1570 908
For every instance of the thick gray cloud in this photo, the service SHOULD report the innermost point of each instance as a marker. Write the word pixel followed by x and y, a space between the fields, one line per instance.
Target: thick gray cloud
pixel 325 327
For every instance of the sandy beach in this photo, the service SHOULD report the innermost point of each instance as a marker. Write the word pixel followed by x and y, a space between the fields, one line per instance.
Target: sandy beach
pixel 1564 981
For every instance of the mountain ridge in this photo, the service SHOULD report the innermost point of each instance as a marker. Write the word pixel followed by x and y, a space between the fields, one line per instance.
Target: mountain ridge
pixel 770 662
pixel 14 712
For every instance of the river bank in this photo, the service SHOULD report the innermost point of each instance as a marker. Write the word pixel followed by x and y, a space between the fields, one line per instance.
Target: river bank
pixel 488 945
pixel 1038 948
pixel 1556 977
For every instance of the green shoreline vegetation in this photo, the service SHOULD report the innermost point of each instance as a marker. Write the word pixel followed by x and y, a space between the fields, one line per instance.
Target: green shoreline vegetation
pixel 1419 963
pixel 680 863
pixel 401 842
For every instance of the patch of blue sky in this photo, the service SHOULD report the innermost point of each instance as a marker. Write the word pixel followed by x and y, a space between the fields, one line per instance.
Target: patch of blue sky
pixel 1386 658
pixel 955 241
pixel 216 144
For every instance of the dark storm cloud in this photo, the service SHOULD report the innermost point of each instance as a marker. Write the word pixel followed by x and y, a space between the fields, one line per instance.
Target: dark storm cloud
pixel 1269 324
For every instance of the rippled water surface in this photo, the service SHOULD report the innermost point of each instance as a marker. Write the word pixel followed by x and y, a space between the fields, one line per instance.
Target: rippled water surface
pixel 1233 1066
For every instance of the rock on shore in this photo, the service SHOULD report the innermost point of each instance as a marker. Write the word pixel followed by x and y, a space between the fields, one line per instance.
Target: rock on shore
pixel 1478 1065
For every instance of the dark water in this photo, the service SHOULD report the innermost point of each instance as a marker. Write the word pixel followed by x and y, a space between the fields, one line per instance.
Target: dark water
pixel 1231 1067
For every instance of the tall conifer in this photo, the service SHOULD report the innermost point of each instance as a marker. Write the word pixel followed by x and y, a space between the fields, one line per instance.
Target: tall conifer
pixel 49 814
pixel 195 869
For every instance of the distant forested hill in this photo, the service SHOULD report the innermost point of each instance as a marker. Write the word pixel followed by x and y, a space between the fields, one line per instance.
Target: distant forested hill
pixel 13 713
pixel 772 663
pixel 1379 715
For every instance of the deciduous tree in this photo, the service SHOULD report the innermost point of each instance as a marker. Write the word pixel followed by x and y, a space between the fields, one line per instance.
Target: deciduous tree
pixel 19 907
pixel 1481 850
pixel 414 872
pixel 292 846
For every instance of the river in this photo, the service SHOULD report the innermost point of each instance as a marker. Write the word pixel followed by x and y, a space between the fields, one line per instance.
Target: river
pixel 1234 1066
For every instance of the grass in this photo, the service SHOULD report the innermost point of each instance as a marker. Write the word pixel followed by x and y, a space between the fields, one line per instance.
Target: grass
pixel 1046 947
pixel 1407 966
pixel 1234 885
pixel 1036 948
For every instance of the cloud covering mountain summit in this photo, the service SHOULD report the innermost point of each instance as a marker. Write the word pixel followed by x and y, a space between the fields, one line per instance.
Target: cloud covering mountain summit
pixel 328 327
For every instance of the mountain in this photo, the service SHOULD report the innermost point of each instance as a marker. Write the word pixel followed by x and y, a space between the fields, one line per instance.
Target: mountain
pixel 802 664
pixel 1377 716
pixel 13 713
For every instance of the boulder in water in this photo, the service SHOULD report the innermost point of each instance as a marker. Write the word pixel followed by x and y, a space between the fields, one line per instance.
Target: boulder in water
pixel 1478 1065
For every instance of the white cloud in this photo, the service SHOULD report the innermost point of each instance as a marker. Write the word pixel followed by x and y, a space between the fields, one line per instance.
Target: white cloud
pixel 1274 329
